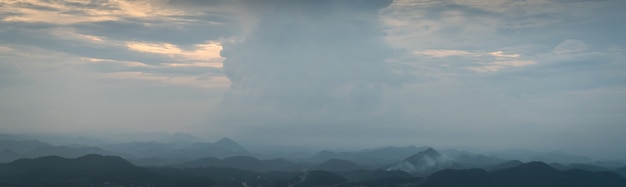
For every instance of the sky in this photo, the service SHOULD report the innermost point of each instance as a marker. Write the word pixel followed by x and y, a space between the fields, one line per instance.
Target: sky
pixel 499 74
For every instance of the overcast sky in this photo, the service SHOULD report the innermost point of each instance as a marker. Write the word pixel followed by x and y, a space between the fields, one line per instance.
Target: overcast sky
pixel 537 74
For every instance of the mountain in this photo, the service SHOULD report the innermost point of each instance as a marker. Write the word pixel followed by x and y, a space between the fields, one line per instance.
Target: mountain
pixel 8 155
pixel 321 178
pixel 9 137
pixel 460 178
pixel 528 174
pixel 338 165
pixel 244 163
pixel 561 157
pixel 587 167
pixel 504 165
pixel 378 157
pixel 83 171
pixel 181 150
pixel 223 148
pixel 621 171
pixel 541 174
pixel 182 138
pixel 12 149
pixel 228 147
pixel 140 149
pixel 22 146
pixel 609 164
pixel 424 163
pixel 472 160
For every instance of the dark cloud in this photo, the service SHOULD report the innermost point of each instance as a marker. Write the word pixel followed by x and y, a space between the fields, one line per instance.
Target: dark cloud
pixel 308 60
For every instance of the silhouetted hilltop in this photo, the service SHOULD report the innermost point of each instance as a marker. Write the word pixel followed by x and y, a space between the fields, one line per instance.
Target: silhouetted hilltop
pixel 225 147
pixel 13 149
pixel 98 170
pixel 587 167
pixel 82 171
pixel 528 174
pixel 541 174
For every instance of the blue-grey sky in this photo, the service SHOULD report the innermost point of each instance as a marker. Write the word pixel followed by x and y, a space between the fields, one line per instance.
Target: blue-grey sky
pixel 498 74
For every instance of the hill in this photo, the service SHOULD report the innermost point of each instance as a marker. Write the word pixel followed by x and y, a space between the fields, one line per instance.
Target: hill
pixel 82 171
pixel 425 163
pixel 528 174
pixel 244 163
pixel 11 150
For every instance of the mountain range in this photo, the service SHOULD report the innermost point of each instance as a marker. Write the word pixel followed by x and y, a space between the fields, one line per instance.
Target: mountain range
pixel 527 174
pixel 425 162
pixel 98 170
pixel 12 149
pixel 182 155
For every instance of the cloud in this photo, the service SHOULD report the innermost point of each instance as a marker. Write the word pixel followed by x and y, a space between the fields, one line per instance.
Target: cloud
pixel 322 61
pixel 66 12
pixel 203 52
pixel 476 61
pixel 570 46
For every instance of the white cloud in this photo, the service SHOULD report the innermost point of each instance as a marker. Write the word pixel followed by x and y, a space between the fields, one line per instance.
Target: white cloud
pixel 65 13
pixel 570 46
pixel 203 52
pixel 480 61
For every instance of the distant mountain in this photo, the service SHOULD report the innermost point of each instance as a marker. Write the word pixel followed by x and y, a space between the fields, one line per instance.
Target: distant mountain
pixel 140 149
pixel 182 138
pixel 227 147
pixel 504 165
pixel 528 174
pixel 82 171
pixel 223 148
pixel 472 160
pixel 609 164
pixel 561 157
pixel 621 171
pixel 338 165
pixel 180 151
pixel 13 149
pixel 548 157
pixel 9 137
pixel 8 155
pixel 244 163
pixel 425 162
pixel 22 146
pixel 372 157
pixel 541 174
pixel 587 167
